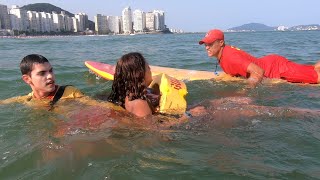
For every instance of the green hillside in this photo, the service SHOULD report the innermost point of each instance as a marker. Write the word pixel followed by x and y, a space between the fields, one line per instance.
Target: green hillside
pixel 45 7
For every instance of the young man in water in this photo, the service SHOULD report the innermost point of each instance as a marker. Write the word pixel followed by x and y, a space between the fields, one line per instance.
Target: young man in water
pixel 236 62
pixel 37 72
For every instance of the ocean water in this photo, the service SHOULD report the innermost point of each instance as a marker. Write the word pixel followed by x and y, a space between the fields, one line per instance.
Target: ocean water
pixel 269 138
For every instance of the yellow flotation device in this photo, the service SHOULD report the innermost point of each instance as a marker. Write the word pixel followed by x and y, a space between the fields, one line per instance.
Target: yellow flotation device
pixel 173 94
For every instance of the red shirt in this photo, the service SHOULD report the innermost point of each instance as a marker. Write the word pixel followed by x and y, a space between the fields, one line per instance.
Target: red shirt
pixel 235 62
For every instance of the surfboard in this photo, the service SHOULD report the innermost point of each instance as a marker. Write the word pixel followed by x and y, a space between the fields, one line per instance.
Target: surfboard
pixel 107 71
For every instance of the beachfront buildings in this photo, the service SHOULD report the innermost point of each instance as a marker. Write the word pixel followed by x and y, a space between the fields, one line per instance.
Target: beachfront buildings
pixel 131 22
pixel 32 22
pixel 107 24
pixel 20 20
pixel 63 23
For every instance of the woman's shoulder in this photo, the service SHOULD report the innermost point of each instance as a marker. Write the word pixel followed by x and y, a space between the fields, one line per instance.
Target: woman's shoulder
pixel 138 107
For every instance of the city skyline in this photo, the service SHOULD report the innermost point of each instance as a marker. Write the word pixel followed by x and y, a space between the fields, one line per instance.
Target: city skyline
pixel 199 17
pixel 16 21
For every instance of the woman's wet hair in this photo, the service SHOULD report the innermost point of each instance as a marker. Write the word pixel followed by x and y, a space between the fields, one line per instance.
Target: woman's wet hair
pixel 129 79
pixel 27 62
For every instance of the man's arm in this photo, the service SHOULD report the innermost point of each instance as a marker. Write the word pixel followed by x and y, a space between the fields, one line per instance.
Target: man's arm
pixel 255 74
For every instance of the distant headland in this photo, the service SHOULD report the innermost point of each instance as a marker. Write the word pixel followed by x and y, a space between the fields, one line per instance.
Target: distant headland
pixel 252 27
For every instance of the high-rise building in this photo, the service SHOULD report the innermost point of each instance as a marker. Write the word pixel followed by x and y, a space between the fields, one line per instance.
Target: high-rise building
pixel 150 23
pixel 159 23
pixel 49 17
pixel 19 19
pixel 83 21
pixel 75 24
pixel 4 17
pixel 113 24
pixel 101 24
pixel 139 21
pixel 34 22
pixel 64 21
pixel 39 18
pixel 56 18
pixel 45 22
pixel 127 20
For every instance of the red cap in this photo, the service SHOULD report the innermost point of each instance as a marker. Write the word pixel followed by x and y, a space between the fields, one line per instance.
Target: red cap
pixel 211 36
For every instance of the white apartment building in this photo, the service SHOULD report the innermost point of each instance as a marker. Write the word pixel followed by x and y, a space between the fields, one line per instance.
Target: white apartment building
pixel 150 21
pixel 4 17
pixel 34 21
pixel 83 21
pixel 159 22
pixel 67 24
pixel 49 17
pixel 127 20
pixel 38 16
pixel 19 19
pixel 113 23
pixel 139 21
pixel 62 21
pixel 75 24
pixel 56 21
pixel 46 22
pixel 70 24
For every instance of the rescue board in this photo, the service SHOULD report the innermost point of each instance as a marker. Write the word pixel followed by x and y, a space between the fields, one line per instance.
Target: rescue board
pixel 106 71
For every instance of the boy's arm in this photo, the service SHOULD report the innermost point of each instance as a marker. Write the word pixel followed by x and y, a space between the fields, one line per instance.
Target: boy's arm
pixel 18 99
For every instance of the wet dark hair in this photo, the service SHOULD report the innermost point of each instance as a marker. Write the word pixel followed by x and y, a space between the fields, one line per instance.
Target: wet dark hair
pixel 129 79
pixel 27 62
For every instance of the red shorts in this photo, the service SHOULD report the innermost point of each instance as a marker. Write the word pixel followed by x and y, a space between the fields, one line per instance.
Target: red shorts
pixel 300 73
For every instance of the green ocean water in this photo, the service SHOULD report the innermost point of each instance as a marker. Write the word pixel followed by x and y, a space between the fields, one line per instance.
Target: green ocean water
pixel 268 145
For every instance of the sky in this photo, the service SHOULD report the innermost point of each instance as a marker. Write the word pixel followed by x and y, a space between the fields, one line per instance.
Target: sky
pixel 202 15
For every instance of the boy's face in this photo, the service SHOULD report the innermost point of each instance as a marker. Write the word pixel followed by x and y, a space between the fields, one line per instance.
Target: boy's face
pixel 41 79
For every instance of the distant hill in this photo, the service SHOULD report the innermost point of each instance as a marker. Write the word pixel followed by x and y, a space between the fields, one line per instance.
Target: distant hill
pixel 45 7
pixel 252 27
pixel 48 8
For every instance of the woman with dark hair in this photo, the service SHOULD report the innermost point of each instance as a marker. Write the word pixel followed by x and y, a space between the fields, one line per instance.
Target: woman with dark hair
pixel 129 88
